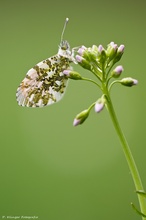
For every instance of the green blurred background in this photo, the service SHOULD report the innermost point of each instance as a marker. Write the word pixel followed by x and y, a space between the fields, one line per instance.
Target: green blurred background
pixel 49 168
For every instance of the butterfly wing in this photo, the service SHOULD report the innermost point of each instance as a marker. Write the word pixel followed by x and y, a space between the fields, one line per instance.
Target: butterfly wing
pixel 44 84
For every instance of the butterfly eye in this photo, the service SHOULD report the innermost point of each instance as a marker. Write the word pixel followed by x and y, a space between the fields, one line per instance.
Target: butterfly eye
pixel 64 45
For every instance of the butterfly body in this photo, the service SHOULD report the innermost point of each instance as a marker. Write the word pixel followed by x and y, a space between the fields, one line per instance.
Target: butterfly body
pixel 45 83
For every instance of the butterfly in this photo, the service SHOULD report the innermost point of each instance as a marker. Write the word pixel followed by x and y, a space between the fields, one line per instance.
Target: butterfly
pixel 45 83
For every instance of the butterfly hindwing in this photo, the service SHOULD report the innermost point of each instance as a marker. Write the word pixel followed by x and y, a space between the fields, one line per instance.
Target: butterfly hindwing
pixel 45 83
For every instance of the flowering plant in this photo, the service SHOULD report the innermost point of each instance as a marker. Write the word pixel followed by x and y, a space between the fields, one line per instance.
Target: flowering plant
pixel 100 62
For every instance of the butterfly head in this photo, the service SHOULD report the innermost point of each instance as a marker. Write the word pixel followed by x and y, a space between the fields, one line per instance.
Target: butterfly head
pixel 64 45
pixel 64 49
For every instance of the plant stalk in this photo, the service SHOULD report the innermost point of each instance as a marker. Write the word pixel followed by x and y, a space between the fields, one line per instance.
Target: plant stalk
pixel 128 154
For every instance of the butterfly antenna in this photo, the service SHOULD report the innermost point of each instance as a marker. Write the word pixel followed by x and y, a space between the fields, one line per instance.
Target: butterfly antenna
pixel 66 21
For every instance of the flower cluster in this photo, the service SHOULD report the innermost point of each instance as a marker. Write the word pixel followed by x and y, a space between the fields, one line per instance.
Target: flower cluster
pixel 96 58
pixel 100 62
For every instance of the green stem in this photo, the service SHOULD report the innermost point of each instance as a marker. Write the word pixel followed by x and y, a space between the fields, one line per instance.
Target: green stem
pixel 116 81
pixel 127 152
pixel 90 80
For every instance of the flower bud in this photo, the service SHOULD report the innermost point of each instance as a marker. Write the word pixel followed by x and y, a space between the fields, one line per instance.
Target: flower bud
pixel 129 81
pixel 121 49
pixel 76 122
pixel 83 62
pixel 95 49
pixel 117 71
pixel 99 105
pixel 81 50
pixel 91 54
pixel 72 74
pixel 81 117
pixel 119 54
pixel 100 49
pixel 101 56
pixel 111 50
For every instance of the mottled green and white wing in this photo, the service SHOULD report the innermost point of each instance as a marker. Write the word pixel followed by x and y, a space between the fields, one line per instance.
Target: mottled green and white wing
pixel 44 84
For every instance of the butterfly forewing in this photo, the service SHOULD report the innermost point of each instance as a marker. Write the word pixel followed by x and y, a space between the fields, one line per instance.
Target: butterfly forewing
pixel 45 83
